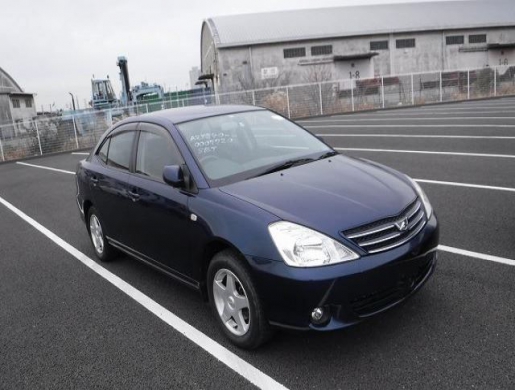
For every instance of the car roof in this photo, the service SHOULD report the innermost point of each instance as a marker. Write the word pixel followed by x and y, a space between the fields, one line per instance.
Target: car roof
pixel 185 114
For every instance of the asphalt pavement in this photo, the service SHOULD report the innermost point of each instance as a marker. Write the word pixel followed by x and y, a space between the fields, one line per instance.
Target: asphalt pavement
pixel 64 326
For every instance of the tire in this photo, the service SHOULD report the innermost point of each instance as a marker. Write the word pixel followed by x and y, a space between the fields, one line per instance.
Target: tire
pixel 104 251
pixel 236 306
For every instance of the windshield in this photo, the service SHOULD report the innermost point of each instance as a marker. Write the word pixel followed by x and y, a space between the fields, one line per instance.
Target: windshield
pixel 234 147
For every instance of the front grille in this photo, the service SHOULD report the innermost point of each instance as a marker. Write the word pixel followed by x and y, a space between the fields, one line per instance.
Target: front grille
pixel 389 232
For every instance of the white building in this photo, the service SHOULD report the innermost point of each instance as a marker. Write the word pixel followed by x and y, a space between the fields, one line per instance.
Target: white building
pixel 303 46
pixel 16 106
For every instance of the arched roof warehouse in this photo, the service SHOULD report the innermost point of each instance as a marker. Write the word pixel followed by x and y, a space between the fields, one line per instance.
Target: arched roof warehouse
pixel 347 21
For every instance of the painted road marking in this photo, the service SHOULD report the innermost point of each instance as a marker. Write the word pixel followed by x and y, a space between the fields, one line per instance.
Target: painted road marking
pixel 410 126
pixel 427 152
pixel 417 136
pixel 476 255
pixel 382 113
pixel 48 168
pixel 81 153
pixel 448 183
pixel 462 108
pixel 407 119
pixel 231 360
pixel 468 185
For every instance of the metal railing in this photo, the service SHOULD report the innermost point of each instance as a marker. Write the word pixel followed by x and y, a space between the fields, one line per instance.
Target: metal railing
pixel 80 130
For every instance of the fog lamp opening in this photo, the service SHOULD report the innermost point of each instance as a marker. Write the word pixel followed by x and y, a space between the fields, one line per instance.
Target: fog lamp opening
pixel 320 315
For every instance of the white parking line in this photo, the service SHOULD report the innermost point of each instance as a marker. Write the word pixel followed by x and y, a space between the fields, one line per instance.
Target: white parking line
pixel 48 168
pixel 427 152
pixel 476 255
pixel 402 112
pixel 457 118
pixel 462 108
pixel 410 126
pixel 231 360
pixel 417 136
pixel 455 184
pixel 81 153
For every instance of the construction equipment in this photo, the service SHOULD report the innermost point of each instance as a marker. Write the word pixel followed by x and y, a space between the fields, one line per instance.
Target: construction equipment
pixel 102 94
pixel 104 97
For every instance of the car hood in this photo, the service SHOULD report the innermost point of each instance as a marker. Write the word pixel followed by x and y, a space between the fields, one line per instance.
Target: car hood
pixel 328 195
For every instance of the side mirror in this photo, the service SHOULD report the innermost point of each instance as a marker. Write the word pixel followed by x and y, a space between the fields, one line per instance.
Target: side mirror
pixel 173 175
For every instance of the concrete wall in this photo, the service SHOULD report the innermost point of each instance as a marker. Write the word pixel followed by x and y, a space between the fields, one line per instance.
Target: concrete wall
pixel 243 67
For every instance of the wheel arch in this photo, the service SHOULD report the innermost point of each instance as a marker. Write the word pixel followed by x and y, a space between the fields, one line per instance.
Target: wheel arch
pixel 215 246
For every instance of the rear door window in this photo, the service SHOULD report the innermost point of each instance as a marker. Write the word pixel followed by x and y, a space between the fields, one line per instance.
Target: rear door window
pixel 120 149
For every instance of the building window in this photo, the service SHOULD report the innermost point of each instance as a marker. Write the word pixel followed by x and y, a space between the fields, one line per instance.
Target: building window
pixel 454 40
pixel 296 52
pixel 28 103
pixel 321 50
pixel 379 45
pixel 477 38
pixel 405 43
pixel 16 103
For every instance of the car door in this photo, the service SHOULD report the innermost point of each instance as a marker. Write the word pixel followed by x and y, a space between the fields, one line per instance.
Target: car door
pixel 159 212
pixel 109 181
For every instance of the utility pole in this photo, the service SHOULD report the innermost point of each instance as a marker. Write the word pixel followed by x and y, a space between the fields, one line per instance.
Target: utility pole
pixel 73 101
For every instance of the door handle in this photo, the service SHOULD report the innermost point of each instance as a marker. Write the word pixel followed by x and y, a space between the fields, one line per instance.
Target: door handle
pixel 134 196
pixel 94 180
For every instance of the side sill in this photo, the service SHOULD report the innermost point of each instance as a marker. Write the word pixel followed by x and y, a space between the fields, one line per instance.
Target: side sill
pixel 154 264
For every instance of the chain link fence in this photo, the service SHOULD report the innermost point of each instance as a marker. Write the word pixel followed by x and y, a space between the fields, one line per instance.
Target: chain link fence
pixel 81 130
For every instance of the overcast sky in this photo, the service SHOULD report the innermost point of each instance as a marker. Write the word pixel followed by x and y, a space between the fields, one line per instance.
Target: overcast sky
pixel 52 47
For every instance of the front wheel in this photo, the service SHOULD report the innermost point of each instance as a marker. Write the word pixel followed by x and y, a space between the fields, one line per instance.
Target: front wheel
pixel 103 250
pixel 235 302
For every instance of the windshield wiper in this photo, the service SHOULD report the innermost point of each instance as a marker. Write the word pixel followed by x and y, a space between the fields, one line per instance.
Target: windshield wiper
pixel 285 165
pixel 328 154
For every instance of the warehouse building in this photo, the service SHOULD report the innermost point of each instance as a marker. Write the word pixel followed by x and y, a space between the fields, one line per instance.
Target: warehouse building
pixel 16 106
pixel 242 52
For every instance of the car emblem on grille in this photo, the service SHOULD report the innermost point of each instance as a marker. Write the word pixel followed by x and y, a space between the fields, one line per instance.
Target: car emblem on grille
pixel 402 225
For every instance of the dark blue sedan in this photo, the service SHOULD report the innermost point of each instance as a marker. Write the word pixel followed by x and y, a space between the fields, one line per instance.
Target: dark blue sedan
pixel 270 224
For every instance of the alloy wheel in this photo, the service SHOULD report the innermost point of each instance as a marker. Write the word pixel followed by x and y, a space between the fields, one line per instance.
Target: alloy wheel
pixel 231 302
pixel 97 236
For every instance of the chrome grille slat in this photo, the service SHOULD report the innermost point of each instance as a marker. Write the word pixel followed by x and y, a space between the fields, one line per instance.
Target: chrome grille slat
pixel 389 233
pixel 413 234
pixel 369 232
pixel 379 240
pixel 416 220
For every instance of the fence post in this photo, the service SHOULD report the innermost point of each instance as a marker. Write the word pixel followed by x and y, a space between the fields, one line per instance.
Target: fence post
pixel 352 94
pixel 320 93
pixel 412 91
pixel 75 131
pixel 382 90
pixel 288 102
pixel 441 91
pixel 495 81
pixel 2 148
pixel 39 139
pixel 253 97
pixel 217 99
pixel 110 117
pixel 468 84
pixel 146 107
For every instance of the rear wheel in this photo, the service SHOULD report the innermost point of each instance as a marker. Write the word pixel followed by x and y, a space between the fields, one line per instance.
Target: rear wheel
pixel 103 250
pixel 235 302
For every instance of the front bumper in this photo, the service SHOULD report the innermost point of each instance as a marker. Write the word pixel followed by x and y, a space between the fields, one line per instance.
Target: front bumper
pixel 351 291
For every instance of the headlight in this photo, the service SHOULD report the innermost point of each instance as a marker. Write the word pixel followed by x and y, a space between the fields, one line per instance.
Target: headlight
pixel 423 196
pixel 303 247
